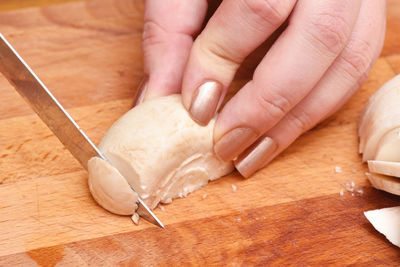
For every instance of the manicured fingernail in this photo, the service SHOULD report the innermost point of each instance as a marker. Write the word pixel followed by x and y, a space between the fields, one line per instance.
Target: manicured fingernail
pixel 205 102
pixel 234 142
pixel 141 91
pixel 255 156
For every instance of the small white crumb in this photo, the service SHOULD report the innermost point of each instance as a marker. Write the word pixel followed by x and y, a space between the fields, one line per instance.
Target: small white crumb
pixel 257 219
pixel 238 220
pixel 352 194
pixel 353 184
pixel 161 207
pixel 204 196
pixel 167 201
pixel 353 170
pixel 135 218
pixel 360 191
pixel 234 188
pixel 338 169
pixel 341 192
pixel 349 187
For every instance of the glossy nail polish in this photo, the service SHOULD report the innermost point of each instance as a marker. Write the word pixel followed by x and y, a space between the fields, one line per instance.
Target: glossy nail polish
pixel 255 156
pixel 234 142
pixel 141 91
pixel 205 102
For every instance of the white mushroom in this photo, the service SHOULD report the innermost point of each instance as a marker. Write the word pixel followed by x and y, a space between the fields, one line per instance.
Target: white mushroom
pixel 384 182
pixel 379 130
pixel 157 149
pixel 387 222
pixel 384 167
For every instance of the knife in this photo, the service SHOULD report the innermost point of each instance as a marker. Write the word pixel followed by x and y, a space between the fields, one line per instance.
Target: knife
pixel 42 101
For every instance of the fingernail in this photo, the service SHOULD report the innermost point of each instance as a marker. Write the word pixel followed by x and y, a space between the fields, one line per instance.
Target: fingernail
pixel 234 142
pixel 255 156
pixel 141 91
pixel 205 102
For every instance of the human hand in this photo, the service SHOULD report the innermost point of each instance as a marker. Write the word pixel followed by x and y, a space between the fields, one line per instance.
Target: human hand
pixel 311 70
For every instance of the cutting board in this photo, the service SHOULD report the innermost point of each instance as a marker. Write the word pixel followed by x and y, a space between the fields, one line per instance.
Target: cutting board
pixel 291 212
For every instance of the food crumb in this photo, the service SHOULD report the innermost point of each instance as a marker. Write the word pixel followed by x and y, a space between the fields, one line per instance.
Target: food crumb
pixel 353 170
pixel 338 169
pixel 238 220
pixel 234 188
pixel 135 218
pixel 167 201
pixel 161 207
pixel 351 188
pixel 341 192
pixel 204 196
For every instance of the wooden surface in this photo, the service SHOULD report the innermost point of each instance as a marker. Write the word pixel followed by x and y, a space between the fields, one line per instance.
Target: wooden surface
pixel 290 213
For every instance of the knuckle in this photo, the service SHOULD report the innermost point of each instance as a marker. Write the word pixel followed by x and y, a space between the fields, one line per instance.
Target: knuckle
pixel 156 34
pixel 358 56
pixel 329 31
pixel 218 52
pixel 300 121
pixel 273 12
pixel 152 33
pixel 274 106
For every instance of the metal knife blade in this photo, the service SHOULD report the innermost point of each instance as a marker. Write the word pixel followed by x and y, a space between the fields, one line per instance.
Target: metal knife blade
pixel 42 101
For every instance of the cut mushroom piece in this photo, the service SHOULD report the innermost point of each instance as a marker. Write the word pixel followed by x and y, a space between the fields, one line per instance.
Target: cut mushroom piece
pixel 387 97
pixel 385 124
pixel 159 151
pixel 387 222
pixel 389 147
pixel 110 189
pixel 385 183
pixel 384 167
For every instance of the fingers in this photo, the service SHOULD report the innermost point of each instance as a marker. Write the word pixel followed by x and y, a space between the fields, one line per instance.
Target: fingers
pixel 167 39
pixel 317 32
pixel 235 30
pixel 340 81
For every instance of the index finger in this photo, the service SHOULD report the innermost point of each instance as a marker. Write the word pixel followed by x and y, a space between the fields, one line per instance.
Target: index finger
pixel 169 26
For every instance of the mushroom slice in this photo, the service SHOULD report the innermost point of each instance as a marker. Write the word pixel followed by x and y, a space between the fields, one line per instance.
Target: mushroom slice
pixel 384 167
pixel 387 222
pixel 389 147
pixel 385 183
pixel 110 189
pixel 386 98
pixel 381 127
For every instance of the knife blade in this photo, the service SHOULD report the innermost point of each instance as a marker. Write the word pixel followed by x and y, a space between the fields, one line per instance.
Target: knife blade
pixel 42 101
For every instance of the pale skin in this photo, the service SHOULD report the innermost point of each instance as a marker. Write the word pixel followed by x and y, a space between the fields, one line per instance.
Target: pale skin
pixel 316 64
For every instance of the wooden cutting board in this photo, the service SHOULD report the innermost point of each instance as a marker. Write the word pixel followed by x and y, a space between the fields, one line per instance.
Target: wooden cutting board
pixel 291 212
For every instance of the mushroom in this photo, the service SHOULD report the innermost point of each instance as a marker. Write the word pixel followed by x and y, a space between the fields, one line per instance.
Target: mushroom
pixel 384 167
pixel 379 132
pixel 387 222
pixel 157 149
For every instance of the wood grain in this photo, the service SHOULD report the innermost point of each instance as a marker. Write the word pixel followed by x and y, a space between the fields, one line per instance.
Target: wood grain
pixel 19 4
pixel 289 213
